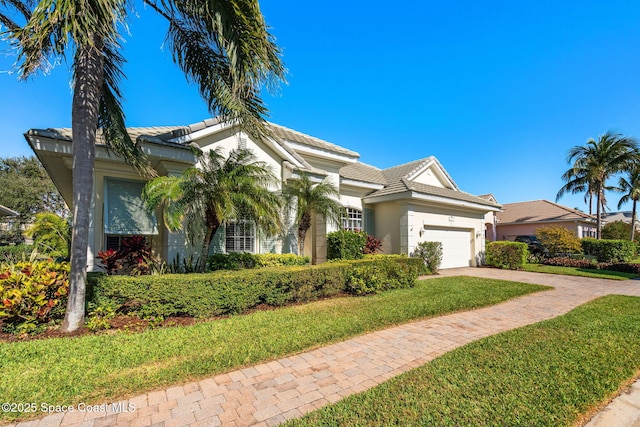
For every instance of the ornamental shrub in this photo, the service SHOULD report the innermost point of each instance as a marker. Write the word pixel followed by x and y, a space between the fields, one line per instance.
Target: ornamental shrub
pixel 509 255
pixel 346 244
pixel 229 292
pixel 32 293
pixel 244 260
pixel 278 260
pixel 372 246
pixel 616 230
pixel 558 240
pixel 609 250
pixel 431 254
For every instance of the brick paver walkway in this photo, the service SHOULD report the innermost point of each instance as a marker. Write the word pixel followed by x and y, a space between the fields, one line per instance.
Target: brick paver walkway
pixel 271 393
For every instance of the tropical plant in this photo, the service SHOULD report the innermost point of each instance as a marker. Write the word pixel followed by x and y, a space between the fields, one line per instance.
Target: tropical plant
pixel 630 186
pixel 594 163
pixel 51 234
pixel 307 199
pixel 558 240
pixel 218 190
pixel 224 47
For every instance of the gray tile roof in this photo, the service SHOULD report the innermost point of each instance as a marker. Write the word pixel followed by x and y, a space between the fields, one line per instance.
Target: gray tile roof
pixel 398 182
pixel 300 138
pixel 363 172
pixel 134 133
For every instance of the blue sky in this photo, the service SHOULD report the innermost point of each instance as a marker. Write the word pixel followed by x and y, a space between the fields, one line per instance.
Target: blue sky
pixel 498 91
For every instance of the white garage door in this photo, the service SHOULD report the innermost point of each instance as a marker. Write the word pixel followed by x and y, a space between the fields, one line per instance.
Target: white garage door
pixel 456 246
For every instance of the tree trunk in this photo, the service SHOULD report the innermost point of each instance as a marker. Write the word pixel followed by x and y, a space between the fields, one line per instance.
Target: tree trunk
pixel 303 227
pixel 89 71
pixel 633 219
pixel 208 237
pixel 598 214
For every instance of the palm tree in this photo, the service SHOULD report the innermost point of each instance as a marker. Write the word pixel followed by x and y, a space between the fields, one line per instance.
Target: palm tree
pixel 224 47
pixel 597 161
pixel 631 188
pixel 219 190
pixel 310 199
pixel 52 233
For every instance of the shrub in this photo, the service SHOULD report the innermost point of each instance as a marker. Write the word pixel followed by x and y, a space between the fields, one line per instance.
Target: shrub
pixel 228 292
pixel 609 250
pixel 558 240
pixel 381 276
pixel 431 254
pixel 32 293
pixel 509 255
pixel 231 261
pixel 570 262
pixel 616 230
pixel 372 246
pixel 345 244
pixel 278 260
pixel 15 253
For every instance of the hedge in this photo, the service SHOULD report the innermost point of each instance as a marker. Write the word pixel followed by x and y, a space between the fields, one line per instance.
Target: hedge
pixel 509 255
pixel 242 260
pixel 223 292
pixel 622 267
pixel 346 244
pixel 609 250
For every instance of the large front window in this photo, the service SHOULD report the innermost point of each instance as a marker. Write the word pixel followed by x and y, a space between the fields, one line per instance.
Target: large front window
pixel 352 220
pixel 240 236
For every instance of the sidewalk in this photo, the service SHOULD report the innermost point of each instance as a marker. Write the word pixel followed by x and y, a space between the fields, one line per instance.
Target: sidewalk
pixel 271 393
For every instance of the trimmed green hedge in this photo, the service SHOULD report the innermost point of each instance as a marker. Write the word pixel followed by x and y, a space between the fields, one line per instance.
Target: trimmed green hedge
pixel 226 292
pixel 609 250
pixel 346 244
pixel 242 260
pixel 509 255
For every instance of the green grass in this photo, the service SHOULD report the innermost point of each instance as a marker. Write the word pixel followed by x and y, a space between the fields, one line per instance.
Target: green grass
pixel 547 374
pixel 106 367
pixel 574 271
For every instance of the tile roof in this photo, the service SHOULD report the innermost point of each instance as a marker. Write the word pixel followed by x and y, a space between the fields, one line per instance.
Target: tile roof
pixel 301 138
pixel 134 133
pixel 539 211
pixel 362 172
pixel 397 182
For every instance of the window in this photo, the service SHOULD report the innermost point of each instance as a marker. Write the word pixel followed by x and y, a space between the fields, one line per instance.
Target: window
pixel 114 241
pixel 352 220
pixel 240 236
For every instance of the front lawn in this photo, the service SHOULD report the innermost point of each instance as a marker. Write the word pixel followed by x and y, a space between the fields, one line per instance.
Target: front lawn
pixel 577 271
pixel 107 367
pixel 552 373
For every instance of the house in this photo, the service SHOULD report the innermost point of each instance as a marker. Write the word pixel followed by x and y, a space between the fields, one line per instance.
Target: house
pixel 524 218
pixel 624 216
pixel 402 205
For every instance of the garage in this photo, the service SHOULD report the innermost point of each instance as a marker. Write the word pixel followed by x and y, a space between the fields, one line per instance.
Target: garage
pixel 456 245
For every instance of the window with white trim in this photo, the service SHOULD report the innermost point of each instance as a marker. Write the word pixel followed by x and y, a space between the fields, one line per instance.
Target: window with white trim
pixel 240 236
pixel 352 220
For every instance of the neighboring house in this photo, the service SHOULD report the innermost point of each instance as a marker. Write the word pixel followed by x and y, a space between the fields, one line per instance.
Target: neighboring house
pixel 402 205
pixel 624 216
pixel 524 218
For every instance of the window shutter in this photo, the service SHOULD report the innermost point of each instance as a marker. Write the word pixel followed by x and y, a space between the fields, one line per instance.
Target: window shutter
pixel 124 210
pixel 369 221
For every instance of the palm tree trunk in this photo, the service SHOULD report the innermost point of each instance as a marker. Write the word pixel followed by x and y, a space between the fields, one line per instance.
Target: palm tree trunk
pixel 89 72
pixel 633 219
pixel 206 244
pixel 598 214
pixel 303 227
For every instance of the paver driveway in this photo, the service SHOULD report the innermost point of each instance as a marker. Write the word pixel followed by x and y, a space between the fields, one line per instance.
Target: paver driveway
pixel 270 393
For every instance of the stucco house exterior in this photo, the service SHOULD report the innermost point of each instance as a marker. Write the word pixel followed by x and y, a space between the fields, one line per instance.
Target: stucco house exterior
pixel 402 205
pixel 524 218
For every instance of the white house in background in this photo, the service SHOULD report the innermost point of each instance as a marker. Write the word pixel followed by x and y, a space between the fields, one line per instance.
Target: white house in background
pixel 402 205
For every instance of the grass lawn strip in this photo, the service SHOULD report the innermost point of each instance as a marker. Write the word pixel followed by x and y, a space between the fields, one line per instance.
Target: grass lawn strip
pixel 547 374
pixel 575 271
pixel 107 367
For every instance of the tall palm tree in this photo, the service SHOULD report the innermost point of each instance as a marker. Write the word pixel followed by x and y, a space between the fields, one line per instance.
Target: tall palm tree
pixel 224 47
pixel 630 185
pixel 219 190
pixel 595 162
pixel 310 199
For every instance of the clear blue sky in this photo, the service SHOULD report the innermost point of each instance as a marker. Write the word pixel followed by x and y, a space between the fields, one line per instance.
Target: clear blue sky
pixel 498 91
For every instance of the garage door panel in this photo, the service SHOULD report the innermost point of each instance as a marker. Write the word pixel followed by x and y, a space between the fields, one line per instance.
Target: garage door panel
pixel 456 245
